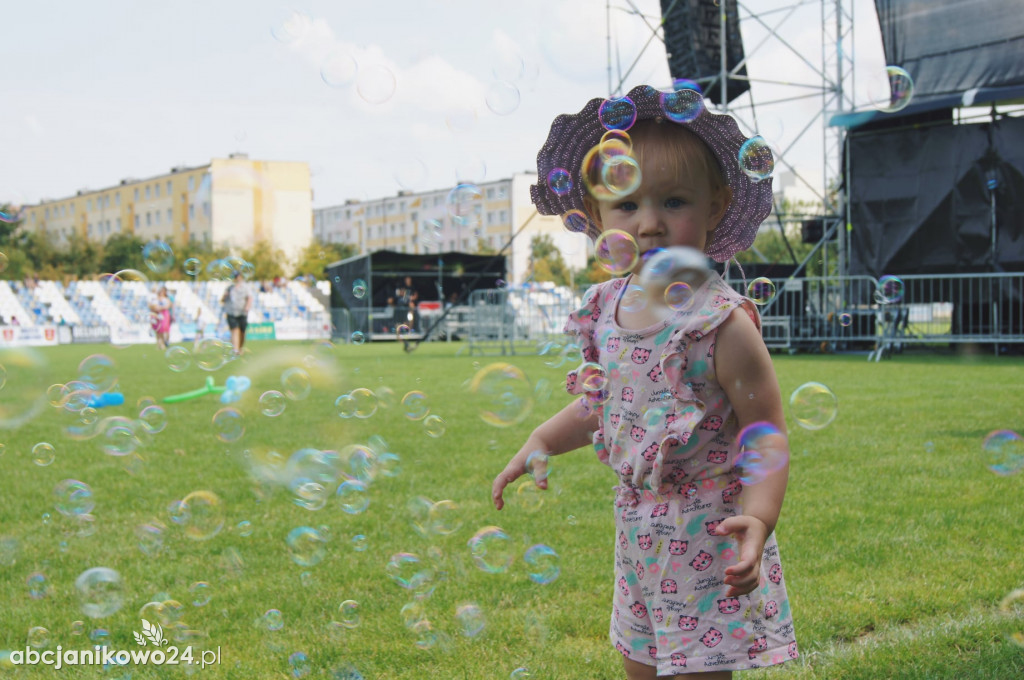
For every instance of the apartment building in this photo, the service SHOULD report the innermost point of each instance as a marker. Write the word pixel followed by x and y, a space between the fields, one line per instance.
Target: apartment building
pixel 230 201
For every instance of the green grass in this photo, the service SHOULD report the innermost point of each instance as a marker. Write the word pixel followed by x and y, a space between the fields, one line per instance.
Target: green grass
pixel 898 542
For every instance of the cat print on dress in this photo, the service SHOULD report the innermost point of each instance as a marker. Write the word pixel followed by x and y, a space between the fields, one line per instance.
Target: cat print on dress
pixel 775 573
pixel 712 525
pixel 711 637
pixel 717 457
pixel 655 373
pixel 637 433
pixel 644 541
pixel 731 491
pixel 729 605
pixel 640 355
pixel 688 622
pixel 702 561
pixel 627 395
pixel 613 344
pixel 639 610
pixel 712 424
pixel 590 353
pixel 760 645
pixel 771 608
pixel 651 452
pixel 669 586
pixel 658 614
pixel 678 660
pixel 677 547
pixel 659 510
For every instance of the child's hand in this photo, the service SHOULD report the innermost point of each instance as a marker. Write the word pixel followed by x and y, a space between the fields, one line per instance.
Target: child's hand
pixel 751 533
pixel 527 460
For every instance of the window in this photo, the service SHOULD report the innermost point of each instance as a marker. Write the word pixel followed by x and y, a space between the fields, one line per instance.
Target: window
pixel 156 190
pixel 169 218
pixel 88 204
pixel 117 199
pixel 47 213
pixel 149 220
pixel 147 192
pixel 157 213
pixel 191 182
pixel 168 187
pixel 136 194
pixel 136 221
pixel 504 216
pixel 89 230
pixel 119 224
pixel 191 211
pixel 348 214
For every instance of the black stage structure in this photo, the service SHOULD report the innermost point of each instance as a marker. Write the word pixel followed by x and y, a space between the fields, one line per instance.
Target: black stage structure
pixel 437 278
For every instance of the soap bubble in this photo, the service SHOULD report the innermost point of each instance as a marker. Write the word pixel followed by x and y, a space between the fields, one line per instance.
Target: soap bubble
pixel 761 290
pixel 765 450
pixel 435 426
pixel 158 256
pixel 889 290
pixel 43 454
pixel 38 587
pixel 1003 452
pixel 502 393
pixel 352 496
pixel 502 97
pixel 74 498
pixel 359 288
pixel 408 571
pixel 348 614
pixel 99 372
pixel 296 383
pixel 560 181
pixel 193 266
pixel 228 424
pixel 178 358
pixel 617 114
pixel 272 403
pixel 616 251
pixel 200 591
pixel 470 618
pixel 1012 608
pixel 542 564
pixel 100 592
pixel 900 90
pixel 375 84
pixel 491 548
pixel 415 405
pixel 24 394
pixel 683 104
pixel 272 620
pixel 306 546
pixel 756 159
pixel 204 515
pixel 813 405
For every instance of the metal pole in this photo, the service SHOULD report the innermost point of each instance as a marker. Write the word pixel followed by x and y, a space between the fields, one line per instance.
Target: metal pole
pixel 723 64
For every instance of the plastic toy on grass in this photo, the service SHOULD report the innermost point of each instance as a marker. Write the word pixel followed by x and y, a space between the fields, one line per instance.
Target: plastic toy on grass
pixel 208 388
pixel 105 399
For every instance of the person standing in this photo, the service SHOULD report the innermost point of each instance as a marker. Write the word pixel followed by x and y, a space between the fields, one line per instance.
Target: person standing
pixel 237 301
pixel 161 315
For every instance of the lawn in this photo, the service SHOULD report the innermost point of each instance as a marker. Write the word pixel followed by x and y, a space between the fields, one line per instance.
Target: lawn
pixel 898 542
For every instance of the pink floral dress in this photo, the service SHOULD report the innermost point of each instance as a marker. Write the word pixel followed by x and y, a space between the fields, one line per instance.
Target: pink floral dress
pixel 669 433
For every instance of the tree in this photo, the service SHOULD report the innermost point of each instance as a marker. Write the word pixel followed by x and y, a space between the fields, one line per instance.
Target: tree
pixel 546 262
pixel 593 273
pixel 314 258
pixel 122 251
pixel 268 262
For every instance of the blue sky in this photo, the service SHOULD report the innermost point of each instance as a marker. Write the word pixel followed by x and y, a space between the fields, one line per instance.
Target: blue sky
pixel 100 91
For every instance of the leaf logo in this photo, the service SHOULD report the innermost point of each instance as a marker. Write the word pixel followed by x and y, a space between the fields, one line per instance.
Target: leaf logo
pixel 139 639
pixel 152 632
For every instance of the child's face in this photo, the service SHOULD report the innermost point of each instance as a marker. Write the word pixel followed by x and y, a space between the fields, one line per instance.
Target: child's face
pixel 674 209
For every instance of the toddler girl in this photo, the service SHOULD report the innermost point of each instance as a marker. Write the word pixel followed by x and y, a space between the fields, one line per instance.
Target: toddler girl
pixel 698 579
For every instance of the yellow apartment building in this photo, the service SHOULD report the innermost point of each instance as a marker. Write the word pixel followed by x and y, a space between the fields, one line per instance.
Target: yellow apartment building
pixel 231 201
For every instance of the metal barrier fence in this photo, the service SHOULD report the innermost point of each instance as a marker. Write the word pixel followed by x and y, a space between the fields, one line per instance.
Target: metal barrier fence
pixel 850 313
pixel 503 321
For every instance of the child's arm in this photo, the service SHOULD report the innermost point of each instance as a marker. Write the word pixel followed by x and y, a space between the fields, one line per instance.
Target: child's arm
pixel 746 374
pixel 563 432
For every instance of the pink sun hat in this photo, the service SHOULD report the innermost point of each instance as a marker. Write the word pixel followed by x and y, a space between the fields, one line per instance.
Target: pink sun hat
pixel 573 135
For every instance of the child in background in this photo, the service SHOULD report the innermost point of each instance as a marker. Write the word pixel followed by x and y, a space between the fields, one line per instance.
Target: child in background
pixel 698 578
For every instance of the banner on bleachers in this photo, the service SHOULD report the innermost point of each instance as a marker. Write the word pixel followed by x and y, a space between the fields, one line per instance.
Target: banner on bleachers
pixel 264 330
pixel 81 334
pixel 132 335
pixel 28 336
pixel 301 329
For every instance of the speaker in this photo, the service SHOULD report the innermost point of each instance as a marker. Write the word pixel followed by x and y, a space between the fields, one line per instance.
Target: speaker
pixel 693 44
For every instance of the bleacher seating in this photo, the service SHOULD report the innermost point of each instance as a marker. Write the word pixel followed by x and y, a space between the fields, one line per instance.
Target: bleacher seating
pixel 126 303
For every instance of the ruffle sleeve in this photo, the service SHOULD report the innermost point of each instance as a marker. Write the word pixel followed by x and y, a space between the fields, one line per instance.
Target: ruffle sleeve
pixel 579 329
